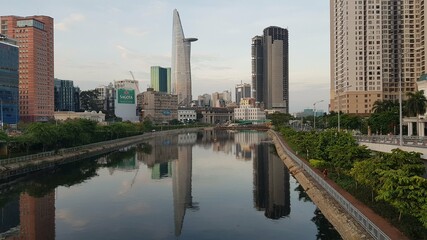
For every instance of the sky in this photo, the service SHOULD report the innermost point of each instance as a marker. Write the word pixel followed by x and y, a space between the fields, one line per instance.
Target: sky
pixel 99 41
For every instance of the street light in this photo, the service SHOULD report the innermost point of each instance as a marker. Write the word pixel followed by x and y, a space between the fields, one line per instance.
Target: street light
pixel 314 113
pixel 1 109
pixel 400 92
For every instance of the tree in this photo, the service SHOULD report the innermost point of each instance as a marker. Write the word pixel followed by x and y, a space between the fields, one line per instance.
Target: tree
pixel 406 193
pixel 384 122
pixel 385 106
pixel 278 118
pixel 42 133
pixel 89 101
pixel 416 103
pixel 366 173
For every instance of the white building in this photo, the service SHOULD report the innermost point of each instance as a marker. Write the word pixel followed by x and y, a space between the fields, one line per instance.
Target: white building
pixel 125 100
pixel 94 116
pixel 187 114
pixel 248 112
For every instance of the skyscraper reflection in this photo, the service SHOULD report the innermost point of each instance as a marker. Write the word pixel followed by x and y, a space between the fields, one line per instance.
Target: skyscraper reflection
pixel 9 219
pixel 36 218
pixel 181 179
pixel 271 183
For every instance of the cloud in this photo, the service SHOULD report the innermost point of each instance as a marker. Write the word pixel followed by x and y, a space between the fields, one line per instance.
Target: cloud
pixel 133 31
pixel 68 217
pixel 68 21
pixel 124 52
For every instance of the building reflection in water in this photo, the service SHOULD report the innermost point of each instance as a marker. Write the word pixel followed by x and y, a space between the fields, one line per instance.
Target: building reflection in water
pixel 271 183
pixel 181 180
pixel 172 156
pixel 36 218
pixel 246 143
pixel 9 219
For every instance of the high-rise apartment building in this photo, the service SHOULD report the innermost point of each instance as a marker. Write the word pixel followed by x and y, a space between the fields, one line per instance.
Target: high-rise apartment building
pixel 375 45
pixel 270 69
pixel 106 95
pixel 64 95
pixel 181 69
pixel 161 79
pixel 243 90
pixel 34 35
pixel 9 81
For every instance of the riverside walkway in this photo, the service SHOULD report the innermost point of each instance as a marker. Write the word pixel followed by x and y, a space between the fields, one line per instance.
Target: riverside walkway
pixel 341 208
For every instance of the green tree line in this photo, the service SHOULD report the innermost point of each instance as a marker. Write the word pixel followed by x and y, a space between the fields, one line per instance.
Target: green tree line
pixel 390 183
pixel 36 137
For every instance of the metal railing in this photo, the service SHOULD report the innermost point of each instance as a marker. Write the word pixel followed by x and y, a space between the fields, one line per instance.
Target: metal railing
pixel 62 151
pixel 32 157
pixel 412 141
pixel 370 227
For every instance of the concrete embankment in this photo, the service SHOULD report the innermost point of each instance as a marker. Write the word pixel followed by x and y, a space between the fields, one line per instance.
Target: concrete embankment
pixel 343 222
pixel 16 169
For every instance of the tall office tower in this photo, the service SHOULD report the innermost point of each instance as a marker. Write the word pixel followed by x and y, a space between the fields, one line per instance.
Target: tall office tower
pixel 270 69
pixel 64 95
pixel 161 79
pixel 36 66
pixel 243 90
pixel 375 45
pixel 181 69
pixel 9 81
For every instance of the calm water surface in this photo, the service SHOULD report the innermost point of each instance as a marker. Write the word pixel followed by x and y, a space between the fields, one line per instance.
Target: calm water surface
pixel 210 185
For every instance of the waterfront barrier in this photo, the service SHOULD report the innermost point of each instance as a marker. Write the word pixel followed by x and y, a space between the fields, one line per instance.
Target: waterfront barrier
pixel 361 218
pixel 63 151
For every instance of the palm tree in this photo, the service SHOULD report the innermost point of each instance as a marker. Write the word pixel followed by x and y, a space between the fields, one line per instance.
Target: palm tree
pixel 416 103
pixel 385 106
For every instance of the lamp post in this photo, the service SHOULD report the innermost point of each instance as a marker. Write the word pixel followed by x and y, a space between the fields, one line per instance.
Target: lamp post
pixel 400 94
pixel 1 110
pixel 314 113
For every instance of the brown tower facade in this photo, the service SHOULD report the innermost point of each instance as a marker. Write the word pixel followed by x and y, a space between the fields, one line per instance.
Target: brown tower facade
pixel 35 36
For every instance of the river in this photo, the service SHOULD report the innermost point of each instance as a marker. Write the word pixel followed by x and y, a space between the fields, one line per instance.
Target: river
pixel 206 185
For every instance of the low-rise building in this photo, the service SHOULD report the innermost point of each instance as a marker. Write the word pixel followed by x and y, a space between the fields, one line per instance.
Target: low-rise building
pixel 248 112
pixel 217 115
pixel 159 107
pixel 187 115
pixel 93 115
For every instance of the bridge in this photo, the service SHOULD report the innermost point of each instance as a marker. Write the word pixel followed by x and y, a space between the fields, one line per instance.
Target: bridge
pixel 385 143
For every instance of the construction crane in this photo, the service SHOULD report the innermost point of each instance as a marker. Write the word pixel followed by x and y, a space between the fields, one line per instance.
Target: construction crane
pixel 136 83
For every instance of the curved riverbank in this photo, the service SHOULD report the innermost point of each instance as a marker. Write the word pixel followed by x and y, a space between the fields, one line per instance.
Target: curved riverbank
pixel 14 169
pixel 343 222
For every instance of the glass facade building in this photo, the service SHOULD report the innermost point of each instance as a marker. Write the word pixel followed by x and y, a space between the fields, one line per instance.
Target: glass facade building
pixel 161 79
pixel 270 69
pixel 9 81
pixel 64 95
pixel 35 39
pixel 181 69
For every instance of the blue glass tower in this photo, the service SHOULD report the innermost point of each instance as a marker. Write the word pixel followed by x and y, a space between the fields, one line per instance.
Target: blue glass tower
pixel 9 81
pixel 161 79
